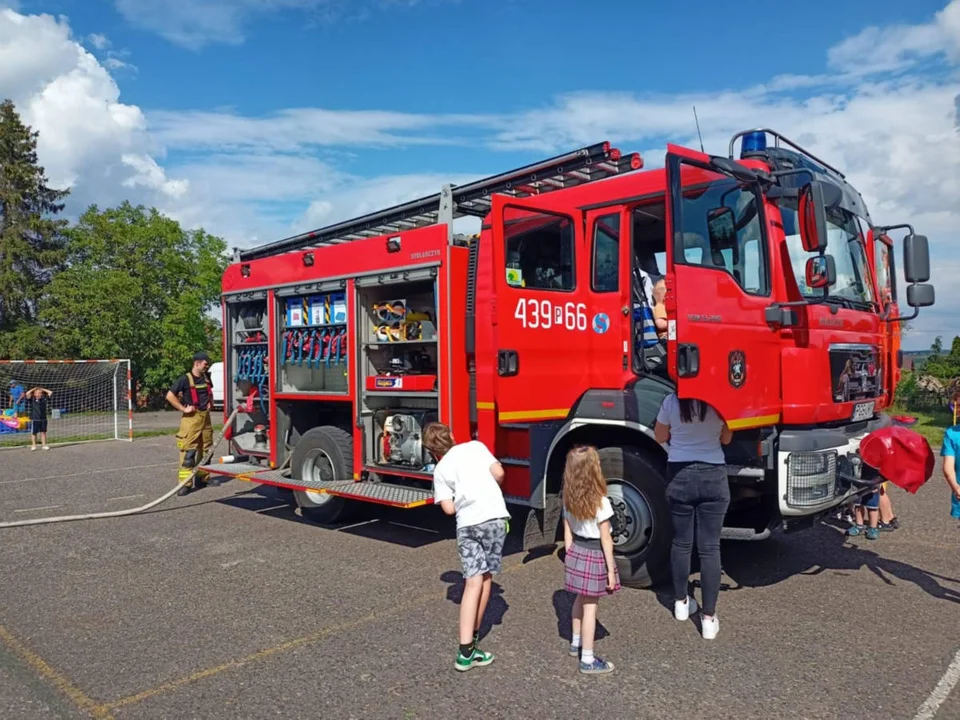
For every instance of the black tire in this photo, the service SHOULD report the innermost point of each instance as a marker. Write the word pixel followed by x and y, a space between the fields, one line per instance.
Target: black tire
pixel 327 451
pixel 643 557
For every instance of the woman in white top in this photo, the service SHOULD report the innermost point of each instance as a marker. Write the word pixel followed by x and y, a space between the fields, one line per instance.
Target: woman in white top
pixel 699 494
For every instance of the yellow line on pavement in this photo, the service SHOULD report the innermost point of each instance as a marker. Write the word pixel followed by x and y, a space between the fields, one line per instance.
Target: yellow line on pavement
pixel 60 681
pixel 283 647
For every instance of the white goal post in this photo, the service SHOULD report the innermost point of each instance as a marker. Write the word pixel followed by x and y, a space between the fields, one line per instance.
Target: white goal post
pixel 89 400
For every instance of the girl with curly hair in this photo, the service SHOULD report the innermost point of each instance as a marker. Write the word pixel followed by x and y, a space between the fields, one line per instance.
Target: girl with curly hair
pixel 590 567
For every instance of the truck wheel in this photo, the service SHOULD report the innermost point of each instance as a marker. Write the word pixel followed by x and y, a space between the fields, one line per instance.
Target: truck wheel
pixel 642 527
pixel 323 454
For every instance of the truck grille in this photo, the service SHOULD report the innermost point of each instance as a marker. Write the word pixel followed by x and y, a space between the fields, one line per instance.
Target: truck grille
pixel 811 478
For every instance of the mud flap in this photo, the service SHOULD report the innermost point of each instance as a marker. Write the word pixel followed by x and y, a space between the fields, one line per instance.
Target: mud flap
pixel 541 527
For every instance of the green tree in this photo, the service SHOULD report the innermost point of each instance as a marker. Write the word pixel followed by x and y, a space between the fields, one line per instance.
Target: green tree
pixel 943 365
pixel 31 237
pixel 137 285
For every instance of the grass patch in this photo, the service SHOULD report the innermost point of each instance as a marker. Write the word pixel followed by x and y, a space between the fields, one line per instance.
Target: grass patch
pixel 930 423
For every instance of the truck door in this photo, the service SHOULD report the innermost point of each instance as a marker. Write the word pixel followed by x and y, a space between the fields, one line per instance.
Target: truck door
pixel 541 316
pixel 720 347
pixel 606 273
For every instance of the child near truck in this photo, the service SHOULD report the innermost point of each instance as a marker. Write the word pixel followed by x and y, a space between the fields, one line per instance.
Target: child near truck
pixel 590 568
pixel 466 483
pixel 949 453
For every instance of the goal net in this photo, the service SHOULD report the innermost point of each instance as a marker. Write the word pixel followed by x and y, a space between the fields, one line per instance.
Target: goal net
pixel 89 400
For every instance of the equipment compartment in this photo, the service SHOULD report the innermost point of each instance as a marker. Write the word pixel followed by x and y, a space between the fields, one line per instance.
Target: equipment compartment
pixel 246 376
pixel 399 332
pixel 313 342
pixel 398 434
pixel 399 374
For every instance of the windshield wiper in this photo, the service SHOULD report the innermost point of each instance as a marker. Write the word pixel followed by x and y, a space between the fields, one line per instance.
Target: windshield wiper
pixel 845 302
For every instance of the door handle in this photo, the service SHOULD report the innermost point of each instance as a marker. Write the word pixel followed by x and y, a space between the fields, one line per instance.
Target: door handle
pixel 688 360
pixel 508 363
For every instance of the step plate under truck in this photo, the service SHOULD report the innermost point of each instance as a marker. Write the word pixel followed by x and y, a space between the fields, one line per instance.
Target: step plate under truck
pixel 398 496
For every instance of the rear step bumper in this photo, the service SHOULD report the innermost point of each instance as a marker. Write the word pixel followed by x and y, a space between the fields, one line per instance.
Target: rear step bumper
pixel 398 496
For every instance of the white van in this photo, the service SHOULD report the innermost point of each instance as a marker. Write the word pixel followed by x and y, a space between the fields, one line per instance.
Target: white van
pixel 216 378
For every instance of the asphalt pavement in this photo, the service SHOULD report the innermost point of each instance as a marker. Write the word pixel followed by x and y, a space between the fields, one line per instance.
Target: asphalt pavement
pixel 226 604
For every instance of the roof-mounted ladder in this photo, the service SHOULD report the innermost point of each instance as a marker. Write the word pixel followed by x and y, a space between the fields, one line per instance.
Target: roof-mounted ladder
pixel 590 163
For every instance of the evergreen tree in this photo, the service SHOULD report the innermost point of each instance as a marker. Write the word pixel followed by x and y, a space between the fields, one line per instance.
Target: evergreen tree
pixel 32 246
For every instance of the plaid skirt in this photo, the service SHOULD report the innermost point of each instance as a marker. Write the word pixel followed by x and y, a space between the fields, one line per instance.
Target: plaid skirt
pixel 586 572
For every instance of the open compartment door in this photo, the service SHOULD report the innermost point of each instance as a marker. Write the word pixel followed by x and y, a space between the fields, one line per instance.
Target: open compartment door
pixel 720 347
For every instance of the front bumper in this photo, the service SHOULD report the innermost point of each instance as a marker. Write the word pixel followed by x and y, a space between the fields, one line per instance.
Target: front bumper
pixel 819 468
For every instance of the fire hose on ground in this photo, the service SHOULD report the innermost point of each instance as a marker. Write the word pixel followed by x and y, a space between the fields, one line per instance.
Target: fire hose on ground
pixel 136 510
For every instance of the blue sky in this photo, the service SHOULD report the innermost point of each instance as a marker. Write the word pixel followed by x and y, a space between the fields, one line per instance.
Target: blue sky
pixel 258 118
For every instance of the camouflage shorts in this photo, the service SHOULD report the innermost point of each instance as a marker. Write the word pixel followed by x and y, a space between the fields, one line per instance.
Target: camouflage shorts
pixel 481 547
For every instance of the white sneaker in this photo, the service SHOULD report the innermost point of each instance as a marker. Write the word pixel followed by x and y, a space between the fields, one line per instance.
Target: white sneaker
pixel 46 447
pixel 683 609
pixel 711 626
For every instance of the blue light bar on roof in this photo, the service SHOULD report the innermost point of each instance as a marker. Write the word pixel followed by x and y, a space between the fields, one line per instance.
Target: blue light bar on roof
pixel 753 142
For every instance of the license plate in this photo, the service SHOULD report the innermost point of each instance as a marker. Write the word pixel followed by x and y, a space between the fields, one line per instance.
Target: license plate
pixel 863 411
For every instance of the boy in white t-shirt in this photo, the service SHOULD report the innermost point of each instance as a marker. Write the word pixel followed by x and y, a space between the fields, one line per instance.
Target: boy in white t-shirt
pixel 466 483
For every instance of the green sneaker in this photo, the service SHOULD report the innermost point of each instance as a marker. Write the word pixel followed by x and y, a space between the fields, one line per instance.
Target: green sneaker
pixel 478 658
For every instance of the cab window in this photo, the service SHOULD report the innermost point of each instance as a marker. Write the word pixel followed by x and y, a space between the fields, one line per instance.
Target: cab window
pixel 723 230
pixel 539 250
pixel 606 254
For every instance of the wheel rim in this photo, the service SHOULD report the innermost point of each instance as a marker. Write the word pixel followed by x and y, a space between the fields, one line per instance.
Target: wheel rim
pixel 317 467
pixel 632 524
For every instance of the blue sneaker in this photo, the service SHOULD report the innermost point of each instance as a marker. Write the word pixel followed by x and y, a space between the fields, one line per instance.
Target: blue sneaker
pixel 855 530
pixel 597 667
pixel 873 534
pixel 574 650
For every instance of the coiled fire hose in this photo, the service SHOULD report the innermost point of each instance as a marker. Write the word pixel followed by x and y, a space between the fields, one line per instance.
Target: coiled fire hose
pixel 136 510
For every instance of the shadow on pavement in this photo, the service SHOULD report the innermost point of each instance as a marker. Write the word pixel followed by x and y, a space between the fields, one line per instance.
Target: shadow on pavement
pixel 496 607
pixel 825 548
pixel 563 607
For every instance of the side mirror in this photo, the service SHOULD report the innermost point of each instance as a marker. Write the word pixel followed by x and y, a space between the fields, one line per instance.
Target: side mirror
pixel 821 272
pixel 816 198
pixel 919 296
pixel 813 217
pixel 916 259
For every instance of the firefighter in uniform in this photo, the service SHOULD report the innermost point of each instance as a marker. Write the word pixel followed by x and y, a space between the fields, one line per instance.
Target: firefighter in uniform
pixel 192 395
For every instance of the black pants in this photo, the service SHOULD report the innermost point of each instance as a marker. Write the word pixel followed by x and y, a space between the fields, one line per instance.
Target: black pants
pixel 699 495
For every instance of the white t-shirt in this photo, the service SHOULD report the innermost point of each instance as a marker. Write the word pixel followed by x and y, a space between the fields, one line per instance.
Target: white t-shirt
pixel 694 441
pixel 463 475
pixel 590 529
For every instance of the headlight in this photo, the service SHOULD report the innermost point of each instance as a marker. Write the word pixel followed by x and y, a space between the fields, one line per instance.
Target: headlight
pixel 811 478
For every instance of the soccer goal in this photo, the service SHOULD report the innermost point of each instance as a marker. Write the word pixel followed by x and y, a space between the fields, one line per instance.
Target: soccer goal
pixel 89 400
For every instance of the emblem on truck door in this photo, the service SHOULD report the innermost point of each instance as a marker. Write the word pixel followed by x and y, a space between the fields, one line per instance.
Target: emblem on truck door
pixel 738 368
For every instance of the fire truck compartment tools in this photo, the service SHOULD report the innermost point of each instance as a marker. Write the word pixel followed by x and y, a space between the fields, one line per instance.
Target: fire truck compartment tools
pixel 400 438
pixel 131 511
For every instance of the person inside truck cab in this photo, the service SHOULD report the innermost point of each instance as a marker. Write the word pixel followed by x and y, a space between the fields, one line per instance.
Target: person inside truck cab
pixel 660 309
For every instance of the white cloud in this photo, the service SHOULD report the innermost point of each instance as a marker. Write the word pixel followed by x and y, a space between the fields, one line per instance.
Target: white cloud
pixel 100 42
pixel 88 139
pixel 195 24
pixel 898 47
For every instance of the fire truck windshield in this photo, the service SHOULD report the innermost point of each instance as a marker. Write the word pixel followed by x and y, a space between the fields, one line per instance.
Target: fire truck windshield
pixel 853 288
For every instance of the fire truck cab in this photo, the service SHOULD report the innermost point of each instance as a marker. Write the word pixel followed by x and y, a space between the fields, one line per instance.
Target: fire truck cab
pixel 781 312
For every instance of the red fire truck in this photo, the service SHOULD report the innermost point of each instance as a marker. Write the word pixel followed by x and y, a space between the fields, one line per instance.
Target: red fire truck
pixel 341 344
